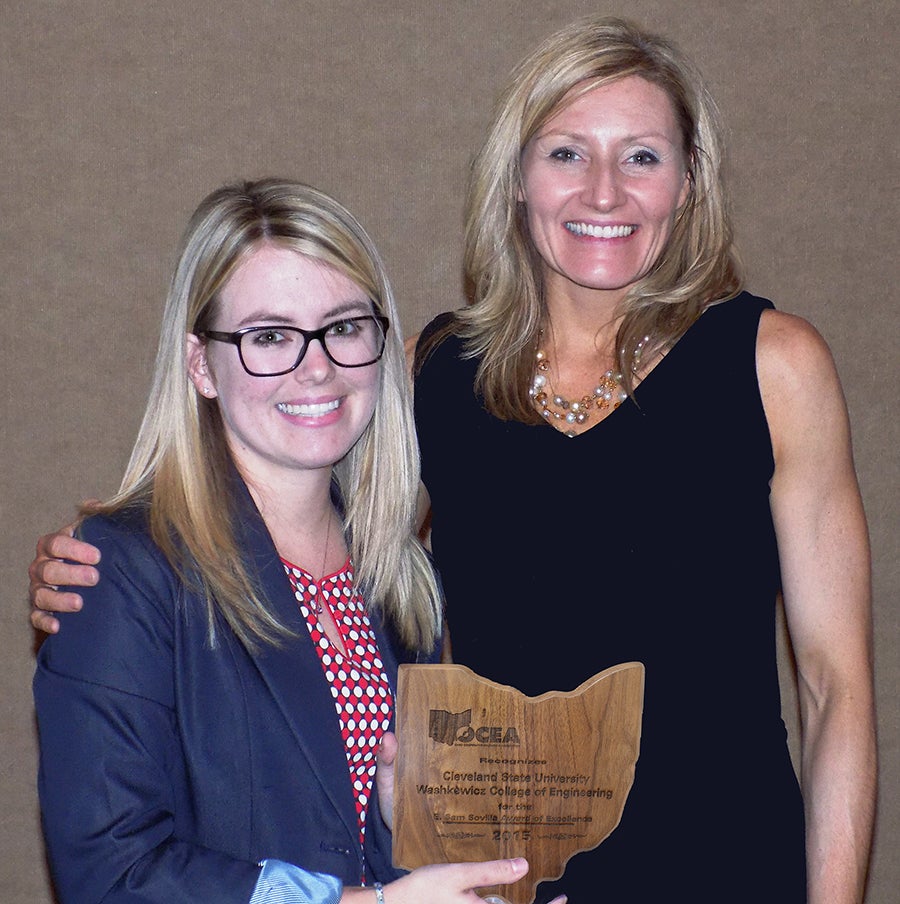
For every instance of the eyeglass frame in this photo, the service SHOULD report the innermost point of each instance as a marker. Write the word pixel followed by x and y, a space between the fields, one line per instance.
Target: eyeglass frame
pixel 308 336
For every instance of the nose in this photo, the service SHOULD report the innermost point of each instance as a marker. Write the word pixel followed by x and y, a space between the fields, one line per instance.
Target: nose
pixel 315 365
pixel 603 188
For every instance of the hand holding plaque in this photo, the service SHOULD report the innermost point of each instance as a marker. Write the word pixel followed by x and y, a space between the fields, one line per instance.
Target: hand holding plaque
pixel 484 772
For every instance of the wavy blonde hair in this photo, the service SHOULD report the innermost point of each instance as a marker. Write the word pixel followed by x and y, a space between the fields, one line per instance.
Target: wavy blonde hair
pixel 180 463
pixel 503 269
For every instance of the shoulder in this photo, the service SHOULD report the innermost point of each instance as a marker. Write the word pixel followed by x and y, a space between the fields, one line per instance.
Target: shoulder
pixel 433 337
pixel 127 525
pixel 124 540
pixel 127 624
pixel 440 324
pixel 799 384
pixel 743 308
pixel 792 352
pixel 782 340
pixel 727 330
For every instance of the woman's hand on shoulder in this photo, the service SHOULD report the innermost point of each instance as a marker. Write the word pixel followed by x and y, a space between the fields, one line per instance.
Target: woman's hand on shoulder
pixel 59 559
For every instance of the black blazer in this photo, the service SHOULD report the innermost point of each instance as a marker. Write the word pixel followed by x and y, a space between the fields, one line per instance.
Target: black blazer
pixel 168 769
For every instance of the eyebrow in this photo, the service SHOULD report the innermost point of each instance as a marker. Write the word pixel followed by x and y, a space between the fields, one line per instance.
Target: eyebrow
pixel 356 307
pixel 565 135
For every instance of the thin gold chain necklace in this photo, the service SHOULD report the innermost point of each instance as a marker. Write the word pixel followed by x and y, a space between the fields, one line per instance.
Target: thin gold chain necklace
pixel 318 599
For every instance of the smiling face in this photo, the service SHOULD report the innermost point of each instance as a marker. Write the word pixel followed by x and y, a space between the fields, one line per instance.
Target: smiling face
pixel 602 181
pixel 302 421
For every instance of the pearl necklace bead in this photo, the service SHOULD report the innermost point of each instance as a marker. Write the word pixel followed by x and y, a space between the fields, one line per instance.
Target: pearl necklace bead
pixel 565 414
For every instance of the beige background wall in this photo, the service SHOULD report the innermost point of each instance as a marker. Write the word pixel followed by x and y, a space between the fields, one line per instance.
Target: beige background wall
pixel 117 116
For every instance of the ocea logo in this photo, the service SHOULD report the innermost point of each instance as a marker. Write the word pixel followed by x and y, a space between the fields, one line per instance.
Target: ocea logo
pixel 456 728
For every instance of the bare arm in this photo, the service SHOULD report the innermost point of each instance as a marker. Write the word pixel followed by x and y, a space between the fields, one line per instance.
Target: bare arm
pixel 824 550
pixel 48 571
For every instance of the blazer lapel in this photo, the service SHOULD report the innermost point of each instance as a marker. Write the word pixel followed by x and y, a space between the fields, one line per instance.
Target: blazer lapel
pixel 293 671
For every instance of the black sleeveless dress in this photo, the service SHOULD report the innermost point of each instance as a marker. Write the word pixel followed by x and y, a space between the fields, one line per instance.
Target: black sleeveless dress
pixel 647 538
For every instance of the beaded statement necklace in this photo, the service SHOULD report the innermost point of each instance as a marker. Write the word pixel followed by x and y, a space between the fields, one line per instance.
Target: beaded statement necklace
pixel 564 414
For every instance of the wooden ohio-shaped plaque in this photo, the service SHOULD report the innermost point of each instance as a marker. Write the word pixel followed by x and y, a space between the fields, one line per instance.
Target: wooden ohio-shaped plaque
pixel 484 772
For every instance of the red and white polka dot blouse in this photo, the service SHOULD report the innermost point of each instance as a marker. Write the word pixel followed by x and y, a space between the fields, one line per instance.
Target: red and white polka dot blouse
pixel 355 674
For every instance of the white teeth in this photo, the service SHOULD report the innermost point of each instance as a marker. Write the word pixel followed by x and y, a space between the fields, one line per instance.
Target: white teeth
pixel 600 232
pixel 316 410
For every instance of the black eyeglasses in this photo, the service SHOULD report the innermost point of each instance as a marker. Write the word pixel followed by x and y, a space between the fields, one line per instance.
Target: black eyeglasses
pixel 270 351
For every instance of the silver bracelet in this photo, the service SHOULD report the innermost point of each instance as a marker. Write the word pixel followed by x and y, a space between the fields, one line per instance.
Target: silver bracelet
pixel 379 893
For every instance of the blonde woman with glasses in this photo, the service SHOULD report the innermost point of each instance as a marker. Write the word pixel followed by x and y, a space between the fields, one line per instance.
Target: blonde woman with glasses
pixel 210 725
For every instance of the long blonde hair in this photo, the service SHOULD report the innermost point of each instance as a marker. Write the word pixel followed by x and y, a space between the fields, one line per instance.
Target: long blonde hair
pixel 180 465
pixel 503 269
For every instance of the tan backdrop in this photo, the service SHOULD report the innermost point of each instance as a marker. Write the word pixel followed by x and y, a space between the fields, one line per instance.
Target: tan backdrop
pixel 116 117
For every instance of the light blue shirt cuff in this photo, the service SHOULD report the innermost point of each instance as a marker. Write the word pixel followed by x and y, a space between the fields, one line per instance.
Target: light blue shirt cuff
pixel 284 883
